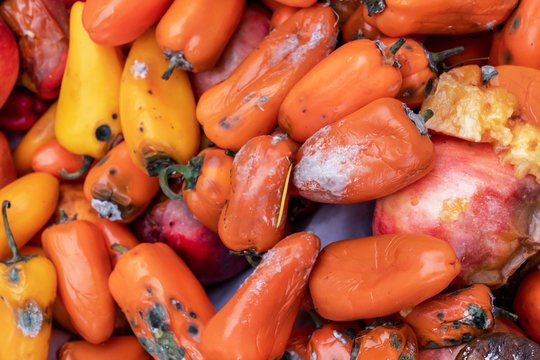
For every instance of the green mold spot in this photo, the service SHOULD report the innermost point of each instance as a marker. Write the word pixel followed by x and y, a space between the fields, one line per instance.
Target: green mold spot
pixel 395 341
pixel 515 23
pixel 30 319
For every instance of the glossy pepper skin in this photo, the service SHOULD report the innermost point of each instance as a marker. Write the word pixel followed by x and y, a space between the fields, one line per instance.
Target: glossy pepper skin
pixel 386 342
pixel 117 188
pixel 250 219
pixel 257 321
pixel 8 173
pixel 116 348
pixel 356 27
pixel 158 116
pixel 9 61
pixel 452 318
pixel 41 132
pixel 518 43
pixel 164 303
pixel 526 304
pixel 308 106
pixel 87 120
pixel 247 103
pixel 298 342
pixel 189 42
pixel 399 18
pixel 115 233
pixel 52 158
pixel 42 30
pixel 376 276
pixel 28 290
pixel 333 340
pixel 81 259
pixel 36 195
pixel 118 22
pixel 370 153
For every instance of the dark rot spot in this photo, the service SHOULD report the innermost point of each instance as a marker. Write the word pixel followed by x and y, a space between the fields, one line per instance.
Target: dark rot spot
pixel 224 123
pixel 193 315
pixel 395 341
pixel 141 129
pixel 14 275
pixel 157 318
pixel 193 329
pixel 177 304
pixel 150 92
pixel 456 324
pixel 408 47
pixel 324 117
pixel 103 133
pixel 432 345
pixel 451 342
pixel 115 116
pixel 515 23
pixel 149 290
pixel 350 333
pixel 303 110
pixel 507 57
pixel 133 323
pixel 113 171
pixel 171 224
pixel 466 337
pixel 440 316
pixel 479 317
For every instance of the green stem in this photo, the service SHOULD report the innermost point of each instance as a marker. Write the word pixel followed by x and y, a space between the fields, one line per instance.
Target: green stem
pixel 435 58
pixel 11 241
pixel 394 48
pixel 176 59
pixel 374 6
pixel 87 162
pixel 120 248
pixel 164 180
pixel 419 119
pixel 488 72
pixel 497 311
pixel 319 322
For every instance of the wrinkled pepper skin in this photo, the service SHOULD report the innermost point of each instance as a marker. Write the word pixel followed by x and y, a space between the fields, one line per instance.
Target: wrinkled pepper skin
pixel 308 106
pixel 189 41
pixel 116 348
pixel 40 133
pixel 397 18
pixel 41 27
pixel 81 259
pixel 518 43
pixel 376 276
pixel 247 103
pixel 158 116
pixel 164 303
pixel 117 189
pixel 387 342
pixel 250 218
pixel 87 120
pixel 28 290
pixel 36 195
pixel 453 318
pixel 118 22
pixel 356 27
pixel 369 154
pixel 257 321
pixel 334 340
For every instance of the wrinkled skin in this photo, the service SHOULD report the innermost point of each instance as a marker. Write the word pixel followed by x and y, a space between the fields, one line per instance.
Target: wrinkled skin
pixel 490 218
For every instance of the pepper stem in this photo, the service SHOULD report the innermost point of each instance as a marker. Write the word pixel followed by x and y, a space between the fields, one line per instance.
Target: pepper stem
pixel 394 48
pixel 319 322
pixel 9 235
pixel 419 119
pixel 164 179
pixel 497 311
pixel 120 248
pixel 374 6
pixel 87 162
pixel 176 59
pixel 435 58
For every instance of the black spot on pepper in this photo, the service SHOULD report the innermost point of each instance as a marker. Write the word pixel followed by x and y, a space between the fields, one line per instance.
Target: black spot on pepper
pixel 14 275
pixel 432 345
pixel 456 324
pixel 324 117
pixel 408 47
pixel 177 304
pixel 450 342
pixel 193 329
pixel 141 129
pixel 193 315
pixel 224 123
pixel 103 132
pixel 150 92
pixel 395 341
pixel 479 316
pixel 304 110
pixel 507 57
pixel 466 337
pixel 133 323
pixel 115 116
pixel 149 290
pixel 440 316
pixel 171 224
pixel 113 171
pixel 515 23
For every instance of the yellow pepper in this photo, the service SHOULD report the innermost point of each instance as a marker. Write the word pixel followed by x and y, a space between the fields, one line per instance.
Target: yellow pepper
pixel 36 195
pixel 28 290
pixel 158 116
pixel 87 120
pixel 41 132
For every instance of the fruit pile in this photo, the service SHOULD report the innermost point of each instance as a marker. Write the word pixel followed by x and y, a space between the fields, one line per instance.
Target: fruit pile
pixel 269 179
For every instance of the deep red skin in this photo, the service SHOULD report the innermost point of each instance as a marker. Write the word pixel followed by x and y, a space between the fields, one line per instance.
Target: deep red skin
pixel 446 353
pixel 171 222
pixel 21 110
pixel 9 62
pixel 483 236
pixel 252 29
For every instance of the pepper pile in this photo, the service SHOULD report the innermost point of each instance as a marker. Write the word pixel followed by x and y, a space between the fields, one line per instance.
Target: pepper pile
pixel 153 149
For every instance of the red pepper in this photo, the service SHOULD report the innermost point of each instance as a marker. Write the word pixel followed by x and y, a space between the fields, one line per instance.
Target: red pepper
pixel 21 110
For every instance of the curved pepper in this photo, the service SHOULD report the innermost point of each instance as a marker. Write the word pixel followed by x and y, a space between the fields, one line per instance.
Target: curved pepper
pixel 116 348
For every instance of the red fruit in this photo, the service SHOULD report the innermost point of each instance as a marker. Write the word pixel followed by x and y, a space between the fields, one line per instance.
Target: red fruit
pixel 171 222
pixel 253 27
pixel 527 306
pixel 9 62
pixel 447 353
pixel 474 202
pixel 21 110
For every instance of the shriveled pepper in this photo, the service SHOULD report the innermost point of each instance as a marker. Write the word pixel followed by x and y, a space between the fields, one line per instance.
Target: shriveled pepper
pixel 87 120
pixel 164 303
pixel 357 28
pixel 72 201
pixel 452 318
pixel 370 153
pixel 36 195
pixel 80 256
pixel 158 116
pixel 333 340
pixel 386 342
pixel 27 292
pixel 116 348
pixel 257 321
pixel 247 103
pixel 253 217
pixel 191 43
pixel 42 30
pixel 308 106
pixel 117 188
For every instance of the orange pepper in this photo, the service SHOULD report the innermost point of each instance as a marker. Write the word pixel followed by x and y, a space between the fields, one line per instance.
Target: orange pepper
pixel 309 107
pixel 333 340
pixel 518 43
pixel 115 233
pixel 257 321
pixel 419 68
pixel 297 3
pixel 55 159
pixel 8 173
pixel 399 18
pixel 117 188
pixel 118 22
pixel 298 342
pixel 206 185
pixel 386 342
pixel 61 316
pixel 356 27
pixel 116 348
pixel 452 318
pixel 526 304
pixel 165 304
pixel 72 201
pixel 378 144
pixel 41 132
pixel 246 104
pixel 272 4
pixel 250 219
pixel 376 276
pixel 78 251
pixel 281 14
pixel 193 34
pixel 476 47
